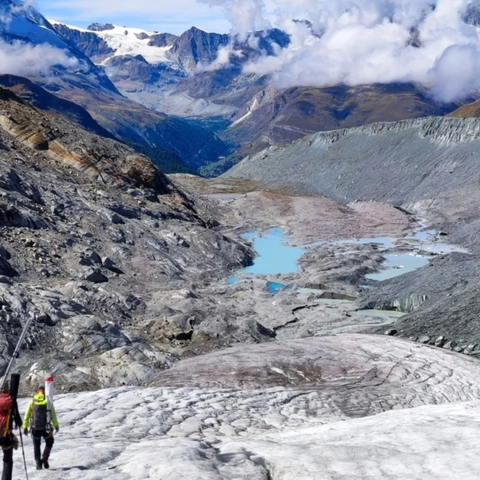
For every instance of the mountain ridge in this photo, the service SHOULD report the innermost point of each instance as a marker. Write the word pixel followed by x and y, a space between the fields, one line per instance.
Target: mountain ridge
pixel 85 84
pixel 181 80
pixel 319 151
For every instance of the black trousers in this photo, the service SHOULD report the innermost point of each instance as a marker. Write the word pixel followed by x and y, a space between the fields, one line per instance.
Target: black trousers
pixel 7 462
pixel 37 436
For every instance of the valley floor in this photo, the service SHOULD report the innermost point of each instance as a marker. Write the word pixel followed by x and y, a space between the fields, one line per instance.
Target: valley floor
pixel 334 265
pixel 280 398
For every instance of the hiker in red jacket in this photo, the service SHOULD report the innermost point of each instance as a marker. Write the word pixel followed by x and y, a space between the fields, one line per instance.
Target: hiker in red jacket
pixel 9 442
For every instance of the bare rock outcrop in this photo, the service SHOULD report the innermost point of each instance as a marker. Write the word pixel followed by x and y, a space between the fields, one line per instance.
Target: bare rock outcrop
pixel 102 159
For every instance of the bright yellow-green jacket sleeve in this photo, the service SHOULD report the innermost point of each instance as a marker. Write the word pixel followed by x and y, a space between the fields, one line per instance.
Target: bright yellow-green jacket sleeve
pixel 53 417
pixel 28 414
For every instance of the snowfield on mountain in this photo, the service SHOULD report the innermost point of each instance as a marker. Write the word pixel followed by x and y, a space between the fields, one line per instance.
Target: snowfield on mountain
pixel 127 41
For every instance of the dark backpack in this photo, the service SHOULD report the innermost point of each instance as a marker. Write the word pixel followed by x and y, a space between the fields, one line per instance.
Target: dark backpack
pixel 39 417
pixel 6 405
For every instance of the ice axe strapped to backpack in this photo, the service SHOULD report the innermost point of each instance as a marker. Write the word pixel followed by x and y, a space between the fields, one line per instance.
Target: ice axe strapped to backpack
pixel 9 416
pixel 9 409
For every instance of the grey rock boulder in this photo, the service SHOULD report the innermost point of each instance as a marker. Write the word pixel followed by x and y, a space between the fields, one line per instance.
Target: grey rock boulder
pixel 94 275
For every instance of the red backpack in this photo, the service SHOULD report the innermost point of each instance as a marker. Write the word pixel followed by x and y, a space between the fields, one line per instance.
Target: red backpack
pixel 5 413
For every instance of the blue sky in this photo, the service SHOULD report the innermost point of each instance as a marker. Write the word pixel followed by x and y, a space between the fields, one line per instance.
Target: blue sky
pixel 164 16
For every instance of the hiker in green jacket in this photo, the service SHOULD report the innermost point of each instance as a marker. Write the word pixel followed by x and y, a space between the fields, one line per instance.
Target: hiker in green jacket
pixel 41 422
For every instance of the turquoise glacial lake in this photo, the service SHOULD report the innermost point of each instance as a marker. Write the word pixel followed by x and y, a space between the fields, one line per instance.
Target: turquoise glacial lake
pixel 275 255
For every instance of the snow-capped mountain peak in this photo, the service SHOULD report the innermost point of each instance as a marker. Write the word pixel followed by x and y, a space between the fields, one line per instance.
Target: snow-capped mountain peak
pixel 25 23
pixel 123 41
pixel 31 47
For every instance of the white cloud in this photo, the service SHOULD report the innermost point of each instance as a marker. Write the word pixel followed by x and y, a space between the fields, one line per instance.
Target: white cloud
pixel 244 15
pixel 23 59
pixel 223 58
pixel 456 74
pixel 369 41
pixel 35 54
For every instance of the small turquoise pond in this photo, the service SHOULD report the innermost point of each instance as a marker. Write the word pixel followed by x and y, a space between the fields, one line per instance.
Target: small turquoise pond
pixel 272 287
pixel 275 256
pixel 396 265
pixel 276 287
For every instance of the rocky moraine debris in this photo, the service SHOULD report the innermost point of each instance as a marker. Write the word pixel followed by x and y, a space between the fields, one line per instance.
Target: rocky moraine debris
pixel 93 238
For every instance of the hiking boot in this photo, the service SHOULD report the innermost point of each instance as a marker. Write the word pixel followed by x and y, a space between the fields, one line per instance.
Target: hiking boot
pixel 39 465
pixel 45 463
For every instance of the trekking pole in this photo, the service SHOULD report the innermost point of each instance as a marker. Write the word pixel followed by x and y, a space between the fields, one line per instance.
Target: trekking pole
pixel 23 452
pixel 16 352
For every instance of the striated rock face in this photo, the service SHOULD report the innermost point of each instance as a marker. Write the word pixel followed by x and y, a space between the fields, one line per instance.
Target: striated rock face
pixel 162 39
pixel 126 67
pixel 102 159
pixel 395 162
pixel 197 46
pixel 44 100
